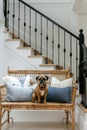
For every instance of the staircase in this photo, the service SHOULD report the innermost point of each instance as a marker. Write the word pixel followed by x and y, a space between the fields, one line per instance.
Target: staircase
pixel 27 54
pixel 50 42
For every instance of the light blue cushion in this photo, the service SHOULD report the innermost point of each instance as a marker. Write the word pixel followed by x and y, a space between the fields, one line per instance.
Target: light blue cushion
pixel 18 93
pixel 61 95
pixel 22 80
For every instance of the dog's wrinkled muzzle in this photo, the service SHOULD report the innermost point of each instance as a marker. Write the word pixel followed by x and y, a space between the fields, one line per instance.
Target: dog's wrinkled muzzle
pixel 42 83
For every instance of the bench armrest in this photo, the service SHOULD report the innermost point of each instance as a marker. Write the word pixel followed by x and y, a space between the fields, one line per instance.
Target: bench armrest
pixel 1 87
pixel 73 94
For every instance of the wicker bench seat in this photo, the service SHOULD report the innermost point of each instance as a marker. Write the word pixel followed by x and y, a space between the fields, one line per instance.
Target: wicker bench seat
pixel 36 106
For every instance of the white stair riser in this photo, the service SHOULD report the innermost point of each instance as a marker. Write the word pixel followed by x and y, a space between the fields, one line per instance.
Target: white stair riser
pixel 47 68
pixel 7 35
pixel 13 45
pixel 36 61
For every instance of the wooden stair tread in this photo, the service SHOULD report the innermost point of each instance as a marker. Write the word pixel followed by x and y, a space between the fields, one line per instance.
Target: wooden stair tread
pixel 48 65
pixel 52 65
pixel 24 48
pixel 12 40
pixel 5 31
pixel 36 56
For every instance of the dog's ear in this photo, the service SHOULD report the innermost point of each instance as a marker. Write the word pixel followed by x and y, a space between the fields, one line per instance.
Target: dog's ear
pixel 37 78
pixel 46 77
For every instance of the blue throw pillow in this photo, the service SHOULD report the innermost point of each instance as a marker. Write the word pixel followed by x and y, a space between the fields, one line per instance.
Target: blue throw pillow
pixel 61 95
pixel 22 80
pixel 18 93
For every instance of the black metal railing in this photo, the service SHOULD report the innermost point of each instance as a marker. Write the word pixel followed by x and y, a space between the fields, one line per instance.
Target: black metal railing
pixel 46 36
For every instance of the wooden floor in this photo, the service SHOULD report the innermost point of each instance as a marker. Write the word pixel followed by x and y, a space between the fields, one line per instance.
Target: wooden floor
pixel 38 126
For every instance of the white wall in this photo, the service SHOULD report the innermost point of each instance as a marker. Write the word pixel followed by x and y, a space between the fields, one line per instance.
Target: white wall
pixel 1 10
pixel 80 9
pixel 59 10
pixel 82 23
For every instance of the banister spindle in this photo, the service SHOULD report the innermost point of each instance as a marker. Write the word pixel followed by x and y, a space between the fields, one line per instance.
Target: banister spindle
pixel 8 11
pixel 76 60
pixel 58 46
pixel 41 35
pixel 46 60
pixel 13 17
pixel 70 53
pixel 52 43
pixel 64 50
pixel 35 30
pixel 18 19
pixel 5 11
pixel 24 23
pixel 30 26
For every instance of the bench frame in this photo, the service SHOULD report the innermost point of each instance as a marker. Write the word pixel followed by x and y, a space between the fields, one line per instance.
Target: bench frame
pixel 6 107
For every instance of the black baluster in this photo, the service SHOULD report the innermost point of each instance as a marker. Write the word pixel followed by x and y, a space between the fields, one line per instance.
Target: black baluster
pixel 81 67
pixel 24 24
pixel 58 46
pixel 70 53
pixel 41 35
pixel 64 50
pixel 76 61
pixel 5 11
pixel 30 26
pixel 18 19
pixel 46 60
pixel 8 16
pixel 35 30
pixel 82 78
pixel 52 43
pixel 13 16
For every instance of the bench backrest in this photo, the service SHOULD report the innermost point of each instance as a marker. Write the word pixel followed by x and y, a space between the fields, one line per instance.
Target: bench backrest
pixel 60 74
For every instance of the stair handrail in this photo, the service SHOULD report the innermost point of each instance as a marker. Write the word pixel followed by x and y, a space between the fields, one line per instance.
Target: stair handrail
pixel 51 20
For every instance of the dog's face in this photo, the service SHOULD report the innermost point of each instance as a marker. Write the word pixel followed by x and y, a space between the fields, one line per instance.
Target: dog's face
pixel 42 80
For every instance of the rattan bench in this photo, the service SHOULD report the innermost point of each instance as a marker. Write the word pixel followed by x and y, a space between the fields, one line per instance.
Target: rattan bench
pixel 8 106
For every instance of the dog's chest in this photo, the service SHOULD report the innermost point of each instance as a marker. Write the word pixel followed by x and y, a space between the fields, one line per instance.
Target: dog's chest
pixel 42 92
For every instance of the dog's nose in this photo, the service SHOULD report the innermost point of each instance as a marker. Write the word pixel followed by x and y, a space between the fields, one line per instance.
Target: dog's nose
pixel 41 81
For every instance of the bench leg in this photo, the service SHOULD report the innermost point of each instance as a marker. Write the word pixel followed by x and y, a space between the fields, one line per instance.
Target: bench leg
pixel 73 119
pixel 67 117
pixel 8 116
pixel 0 118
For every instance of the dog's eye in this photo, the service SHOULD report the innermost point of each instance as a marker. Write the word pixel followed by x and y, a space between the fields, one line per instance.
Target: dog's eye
pixel 43 79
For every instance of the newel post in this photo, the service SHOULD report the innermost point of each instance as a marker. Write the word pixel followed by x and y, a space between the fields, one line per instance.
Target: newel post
pixel 81 66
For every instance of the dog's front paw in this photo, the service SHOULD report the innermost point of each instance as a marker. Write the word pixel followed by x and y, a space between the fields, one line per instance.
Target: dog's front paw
pixel 44 102
pixel 33 97
pixel 39 101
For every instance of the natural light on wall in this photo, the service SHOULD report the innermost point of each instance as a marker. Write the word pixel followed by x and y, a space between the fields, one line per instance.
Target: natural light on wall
pixel 1 11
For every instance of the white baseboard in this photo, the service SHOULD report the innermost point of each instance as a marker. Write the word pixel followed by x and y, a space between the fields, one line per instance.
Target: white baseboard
pixel 82 119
